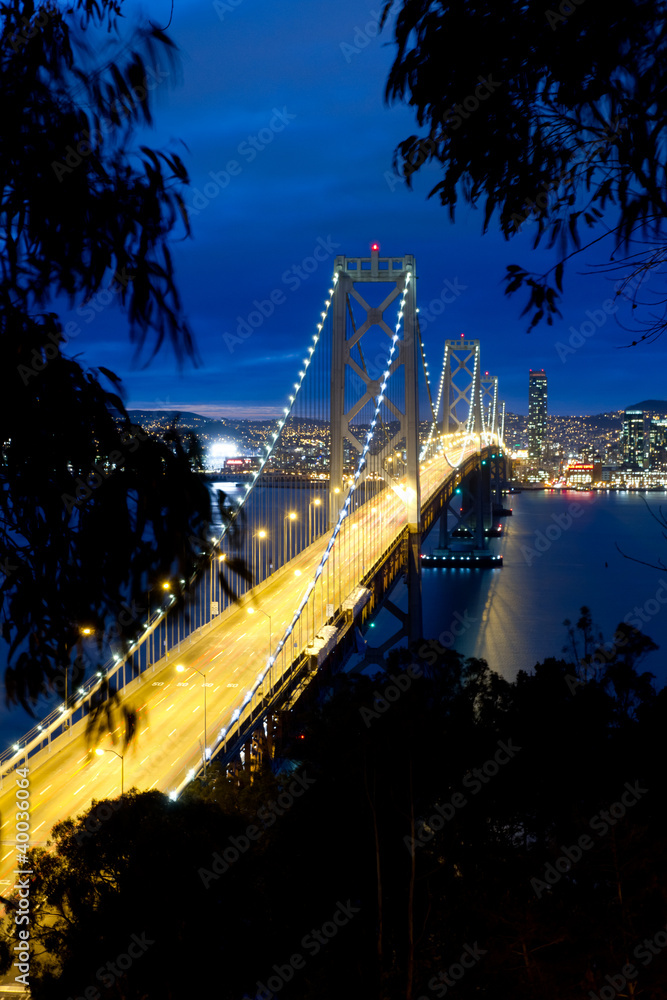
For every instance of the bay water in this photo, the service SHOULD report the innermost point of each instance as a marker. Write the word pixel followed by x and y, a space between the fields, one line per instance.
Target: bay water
pixel 560 551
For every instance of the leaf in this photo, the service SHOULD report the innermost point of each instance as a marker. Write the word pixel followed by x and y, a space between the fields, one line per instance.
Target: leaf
pixel 558 274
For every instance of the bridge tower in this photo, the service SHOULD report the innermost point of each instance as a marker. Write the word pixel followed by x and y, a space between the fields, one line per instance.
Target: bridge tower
pixel 492 427
pixel 398 273
pixel 465 384
pixel 462 383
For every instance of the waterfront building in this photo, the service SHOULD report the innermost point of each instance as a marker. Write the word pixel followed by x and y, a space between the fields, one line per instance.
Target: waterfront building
pixel 537 415
pixel 583 473
pixel 636 438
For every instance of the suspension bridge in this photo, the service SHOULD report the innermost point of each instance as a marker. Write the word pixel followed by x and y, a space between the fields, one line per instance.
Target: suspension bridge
pixel 368 455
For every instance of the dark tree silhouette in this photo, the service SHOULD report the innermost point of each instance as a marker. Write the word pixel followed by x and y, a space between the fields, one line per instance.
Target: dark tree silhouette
pixel 448 812
pixel 551 117
pixel 93 510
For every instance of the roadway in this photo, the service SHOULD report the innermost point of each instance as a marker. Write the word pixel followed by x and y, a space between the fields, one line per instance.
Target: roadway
pixel 231 654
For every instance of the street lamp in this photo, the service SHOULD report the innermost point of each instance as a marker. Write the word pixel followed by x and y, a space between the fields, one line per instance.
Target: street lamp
pixel 152 639
pixel 99 753
pixel 313 503
pixel 164 586
pixel 261 535
pixel 180 670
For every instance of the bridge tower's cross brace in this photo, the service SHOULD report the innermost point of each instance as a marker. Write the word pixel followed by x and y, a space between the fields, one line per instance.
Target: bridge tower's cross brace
pixel 462 383
pixel 352 273
pixel 490 402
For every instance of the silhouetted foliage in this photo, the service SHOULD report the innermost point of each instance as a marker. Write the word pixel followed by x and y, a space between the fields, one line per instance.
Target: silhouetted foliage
pixel 392 799
pixel 93 510
pixel 546 116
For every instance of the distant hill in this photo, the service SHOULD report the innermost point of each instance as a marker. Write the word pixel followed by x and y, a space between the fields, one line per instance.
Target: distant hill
pixel 660 405
pixel 166 416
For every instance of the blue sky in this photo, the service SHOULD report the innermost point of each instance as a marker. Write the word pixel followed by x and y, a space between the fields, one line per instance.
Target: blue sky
pixel 292 95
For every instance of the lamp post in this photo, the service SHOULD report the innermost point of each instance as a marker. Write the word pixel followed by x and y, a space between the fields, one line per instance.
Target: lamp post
pixel 261 535
pixel 313 503
pixel 164 586
pixel 84 630
pixel 99 753
pixel 180 670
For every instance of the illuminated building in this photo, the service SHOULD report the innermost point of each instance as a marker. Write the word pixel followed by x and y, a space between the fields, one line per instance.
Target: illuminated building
pixel 635 439
pixel 583 473
pixel 537 415
pixel 242 464
pixel 658 444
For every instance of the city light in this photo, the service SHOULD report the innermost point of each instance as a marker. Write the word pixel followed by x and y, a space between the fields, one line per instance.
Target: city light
pixel 219 452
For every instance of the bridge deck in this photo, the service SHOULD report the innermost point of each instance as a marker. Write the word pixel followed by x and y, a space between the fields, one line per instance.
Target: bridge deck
pixel 231 653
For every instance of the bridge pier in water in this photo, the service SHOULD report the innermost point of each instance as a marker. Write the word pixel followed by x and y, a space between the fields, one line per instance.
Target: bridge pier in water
pixel 474 512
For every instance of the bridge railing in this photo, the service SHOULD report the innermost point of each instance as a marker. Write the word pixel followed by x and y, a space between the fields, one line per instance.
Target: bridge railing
pixel 44 730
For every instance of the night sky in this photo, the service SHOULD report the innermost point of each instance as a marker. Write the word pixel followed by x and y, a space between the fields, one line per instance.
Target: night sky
pixel 279 90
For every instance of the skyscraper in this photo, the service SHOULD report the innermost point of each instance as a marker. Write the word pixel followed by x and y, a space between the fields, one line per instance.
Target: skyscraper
pixel 537 415
pixel 635 439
